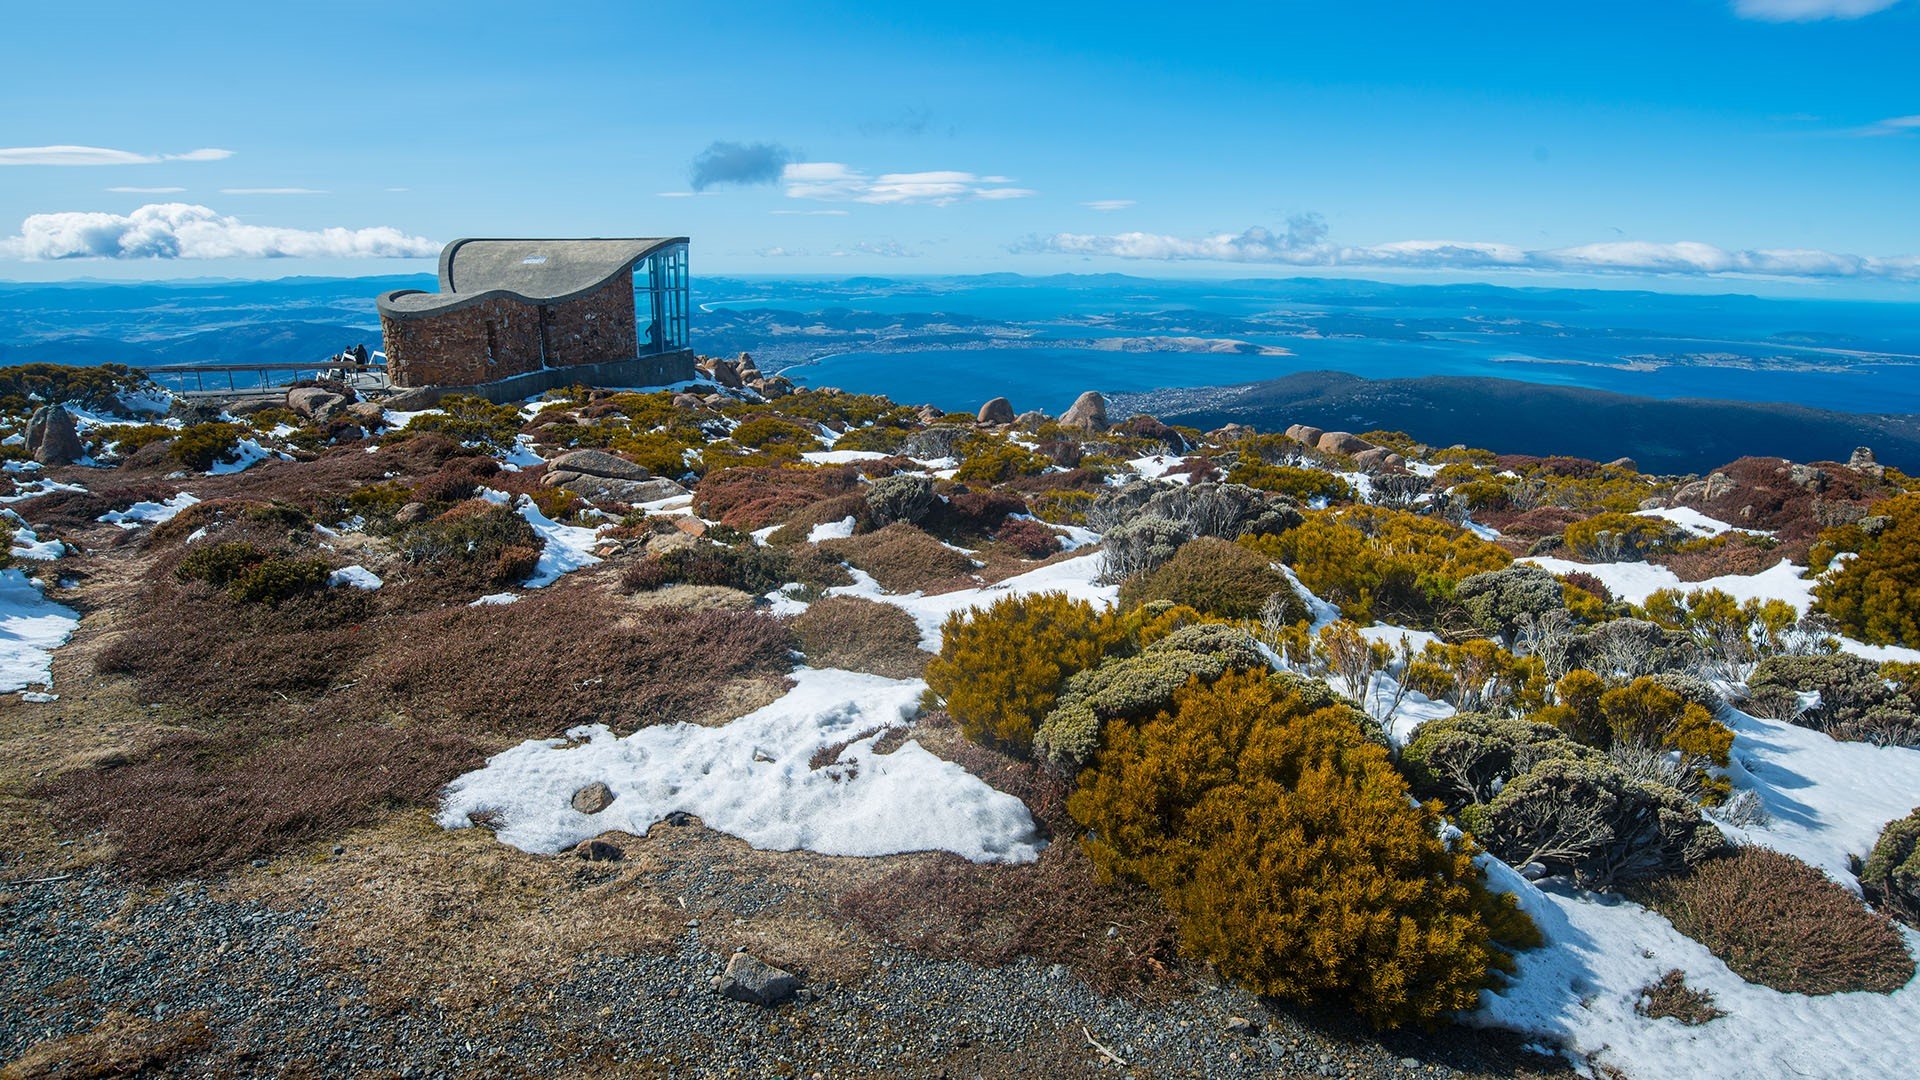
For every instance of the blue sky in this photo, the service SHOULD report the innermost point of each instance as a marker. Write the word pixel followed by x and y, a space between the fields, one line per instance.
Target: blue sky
pixel 1762 145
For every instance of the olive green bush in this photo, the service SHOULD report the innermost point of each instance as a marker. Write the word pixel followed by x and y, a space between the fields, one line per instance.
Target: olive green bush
pixel 1584 818
pixel 1137 686
pixel 1468 758
pixel 1214 576
pixel 1890 878
pixel 1856 702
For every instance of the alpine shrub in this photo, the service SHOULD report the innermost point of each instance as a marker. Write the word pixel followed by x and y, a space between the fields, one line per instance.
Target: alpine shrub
pixel 202 446
pixel 1377 563
pixel 1216 577
pixel 861 635
pixel 253 575
pixel 750 568
pixel 1891 877
pixel 1855 701
pixel 1286 845
pixel 1783 924
pixel 1499 600
pixel 900 497
pixel 1467 758
pixel 1000 670
pixel 1586 819
pixel 1028 537
pixel 1135 687
pixel 1140 545
pixel 1875 596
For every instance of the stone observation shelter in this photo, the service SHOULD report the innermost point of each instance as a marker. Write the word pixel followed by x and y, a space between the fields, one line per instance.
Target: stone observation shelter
pixel 517 317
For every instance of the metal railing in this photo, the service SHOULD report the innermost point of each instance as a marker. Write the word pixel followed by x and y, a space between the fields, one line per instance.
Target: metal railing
pixel 263 377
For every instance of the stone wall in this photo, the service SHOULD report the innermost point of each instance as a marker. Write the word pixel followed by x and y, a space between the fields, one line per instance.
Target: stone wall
pixel 502 337
pixel 593 329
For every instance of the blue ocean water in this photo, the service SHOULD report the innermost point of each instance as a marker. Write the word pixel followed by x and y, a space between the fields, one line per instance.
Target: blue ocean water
pixel 1840 355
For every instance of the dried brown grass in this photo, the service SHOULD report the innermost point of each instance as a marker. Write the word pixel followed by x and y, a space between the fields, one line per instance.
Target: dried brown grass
pixel 1783 924
pixel 121 1044
pixel 861 635
pixel 1118 938
pixel 194 803
pixel 902 559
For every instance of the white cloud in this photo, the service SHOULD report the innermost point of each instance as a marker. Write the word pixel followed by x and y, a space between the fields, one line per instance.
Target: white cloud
pixel 809 213
pixel 1108 205
pixel 98 155
pixel 1893 125
pixel 1305 243
pixel 271 191
pixel 184 231
pixel 831 181
pixel 887 249
pixel 1808 10
pixel 146 190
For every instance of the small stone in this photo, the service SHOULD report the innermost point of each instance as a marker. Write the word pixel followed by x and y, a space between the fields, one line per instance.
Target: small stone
pixel 997 411
pixel 1240 1025
pixel 368 415
pixel 1410 1063
pixel 692 526
pixel 753 981
pixel 410 513
pixel 593 798
pixel 600 851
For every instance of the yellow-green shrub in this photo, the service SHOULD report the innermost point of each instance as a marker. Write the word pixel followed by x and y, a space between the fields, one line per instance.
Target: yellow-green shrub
pixel 1380 563
pixel 988 460
pixel 1000 670
pixel 1302 484
pixel 1285 843
pixel 1875 596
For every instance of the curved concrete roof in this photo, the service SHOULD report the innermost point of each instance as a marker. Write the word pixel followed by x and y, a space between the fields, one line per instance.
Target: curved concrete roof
pixel 534 271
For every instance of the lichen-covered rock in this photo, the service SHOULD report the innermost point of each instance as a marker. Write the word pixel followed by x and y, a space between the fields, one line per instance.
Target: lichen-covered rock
pixel 598 463
pixel 315 403
pixel 1341 442
pixel 593 798
pixel 52 437
pixel 756 982
pixel 1089 412
pixel 997 411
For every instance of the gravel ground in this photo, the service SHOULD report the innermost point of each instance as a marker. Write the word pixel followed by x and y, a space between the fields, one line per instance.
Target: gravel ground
pixel 76 952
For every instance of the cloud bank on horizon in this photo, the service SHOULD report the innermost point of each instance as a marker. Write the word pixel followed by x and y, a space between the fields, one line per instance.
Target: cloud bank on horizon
pixel 100 155
pixel 1304 243
pixel 1808 10
pixel 187 231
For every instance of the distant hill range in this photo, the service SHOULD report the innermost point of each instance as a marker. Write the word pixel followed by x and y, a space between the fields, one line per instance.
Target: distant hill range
pixel 1665 436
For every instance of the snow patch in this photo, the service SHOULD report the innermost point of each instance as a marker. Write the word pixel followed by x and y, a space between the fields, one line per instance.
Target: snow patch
pixel 356 575
pixel 566 547
pixel 149 513
pixel 829 530
pixel 753 779
pixel 31 627
pixel 1075 577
